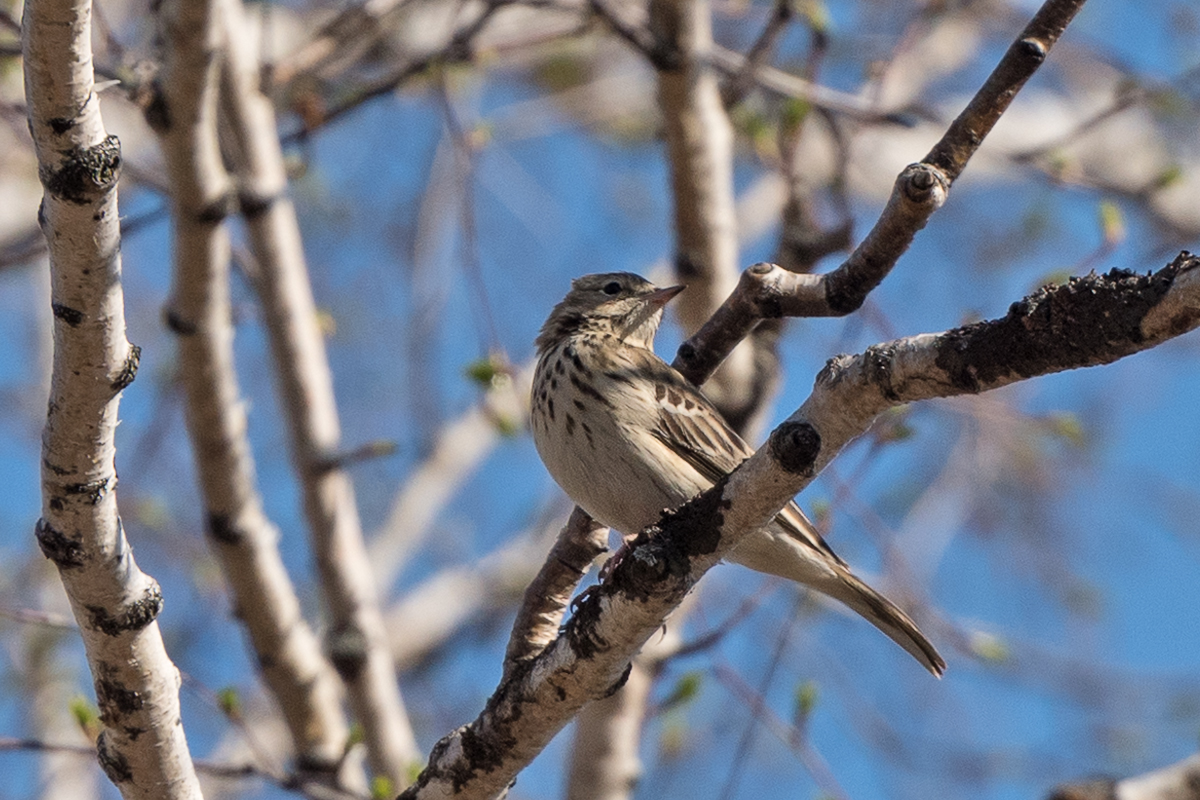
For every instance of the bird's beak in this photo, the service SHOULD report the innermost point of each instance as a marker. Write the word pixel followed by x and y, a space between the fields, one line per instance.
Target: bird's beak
pixel 660 297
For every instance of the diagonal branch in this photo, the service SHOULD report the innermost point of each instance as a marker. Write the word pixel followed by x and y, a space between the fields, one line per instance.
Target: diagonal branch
pixel 241 535
pixel 920 190
pixel 1086 322
pixel 357 637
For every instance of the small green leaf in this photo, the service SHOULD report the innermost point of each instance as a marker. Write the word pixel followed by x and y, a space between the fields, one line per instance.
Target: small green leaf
pixel 806 699
pixel 485 371
pixel 506 426
pixel 230 702
pixel 990 648
pixel 86 715
pixel 795 110
pixel 1169 177
pixel 382 787
pixel 1066 426
pixel 327 323
pixel 685 690
pixel 815 14
pixel 1112 223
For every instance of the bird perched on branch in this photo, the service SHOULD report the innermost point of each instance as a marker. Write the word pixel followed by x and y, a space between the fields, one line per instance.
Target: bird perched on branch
pixel 627 436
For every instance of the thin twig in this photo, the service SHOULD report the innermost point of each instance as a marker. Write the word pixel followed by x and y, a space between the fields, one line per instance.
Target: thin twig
pixel 766 291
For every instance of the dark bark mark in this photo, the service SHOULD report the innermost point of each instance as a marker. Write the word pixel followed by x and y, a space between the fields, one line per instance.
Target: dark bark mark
pixel 86 174
pixel 1087 321
pixel 348 651
pixel 795 447
pixel 112 761
pixel 223 529
pixel 68 315
pixel 55 545
pixel 133 617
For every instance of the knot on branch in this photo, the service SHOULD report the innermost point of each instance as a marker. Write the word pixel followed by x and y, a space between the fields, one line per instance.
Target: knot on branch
pixel 878 361
pixel 176 323
pixel 1034 49
pixel 348 651
pixel 86 173
pixel 255 204
pixel 795 446
pixel 132 616
pixel 55 545
pixel 833 370
pixel 759 286
pixel 222 528
pixel 924 184
pixel 128 369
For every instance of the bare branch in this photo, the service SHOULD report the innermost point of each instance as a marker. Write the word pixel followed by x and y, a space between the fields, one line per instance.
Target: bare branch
pixel 244 540
pixel 357 641
pixel 738 85
pixel 1180 781
pixel 581 541
pixel 919 191
pixel 142 748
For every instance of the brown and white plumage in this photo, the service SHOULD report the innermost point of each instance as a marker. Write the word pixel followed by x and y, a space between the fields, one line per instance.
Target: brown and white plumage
pixel 627 436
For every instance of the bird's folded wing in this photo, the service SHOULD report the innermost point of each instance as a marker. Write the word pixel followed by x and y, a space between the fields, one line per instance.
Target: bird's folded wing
pixel 693 429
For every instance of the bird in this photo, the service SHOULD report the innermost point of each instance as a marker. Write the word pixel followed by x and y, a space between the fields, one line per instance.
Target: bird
pixel 627 437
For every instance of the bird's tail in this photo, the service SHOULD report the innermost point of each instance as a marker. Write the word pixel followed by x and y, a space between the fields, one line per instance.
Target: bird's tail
pixel 848 588
pixel 792 548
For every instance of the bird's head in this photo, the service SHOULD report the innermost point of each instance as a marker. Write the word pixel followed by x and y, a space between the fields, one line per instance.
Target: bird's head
pixel 618 303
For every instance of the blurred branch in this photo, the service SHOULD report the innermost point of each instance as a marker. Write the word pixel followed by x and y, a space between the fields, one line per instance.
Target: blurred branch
pixel 209 768
pixel 357 639
pixel 457 49
pixel 764 291
pixel 1089 321
pixel 699 139
pixel 429 615
pixel 792 735
pixel 142 746
pixel 605 760
pixel 241 536
pixel 459 448
pixel 738 85
pixel 1180 781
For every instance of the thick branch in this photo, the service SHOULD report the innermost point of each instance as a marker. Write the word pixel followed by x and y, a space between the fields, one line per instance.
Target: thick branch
pixel 920 190
pixel 1180 781
pixel 142 747
pixel 1089 321
pixel 305 687
pixel 357 636
pixel 699 140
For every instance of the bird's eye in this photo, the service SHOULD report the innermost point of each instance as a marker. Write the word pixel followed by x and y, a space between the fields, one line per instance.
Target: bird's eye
pixel 611 288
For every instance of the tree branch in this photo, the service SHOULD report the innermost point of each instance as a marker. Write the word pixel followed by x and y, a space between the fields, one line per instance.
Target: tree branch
pixel 306 689
pixel 920 190
pixel 1179 781
pixel 357 637
pixel 581 541
pixel 142 748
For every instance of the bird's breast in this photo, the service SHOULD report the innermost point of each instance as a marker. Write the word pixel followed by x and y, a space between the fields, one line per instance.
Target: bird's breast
pixel 592 432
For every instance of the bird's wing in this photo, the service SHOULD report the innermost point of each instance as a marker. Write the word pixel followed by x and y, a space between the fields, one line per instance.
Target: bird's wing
pixel 690 425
